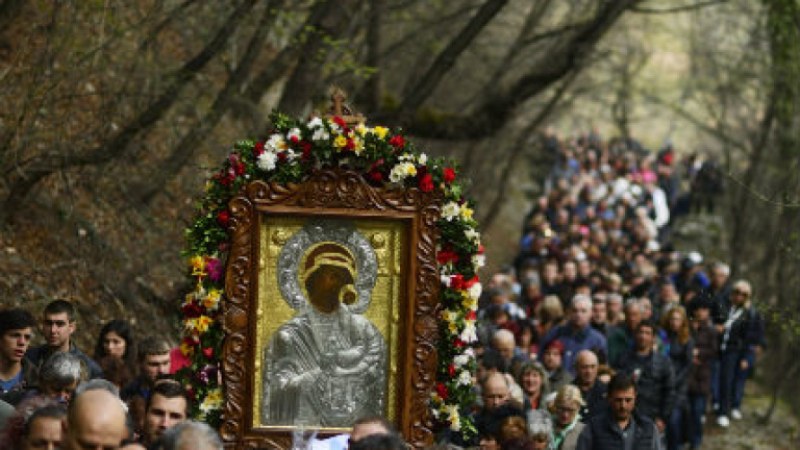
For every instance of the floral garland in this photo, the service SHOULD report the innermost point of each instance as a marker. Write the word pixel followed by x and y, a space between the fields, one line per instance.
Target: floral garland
pixel 384 158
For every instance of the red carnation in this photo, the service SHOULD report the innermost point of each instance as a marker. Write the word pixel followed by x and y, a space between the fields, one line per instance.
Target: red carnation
pixel 449 175
pixel 295 139
pixel 350 145
pixel 306 147
pixel 471 315
pixel 375 176
pixel 191 310
pixel 339 121
pixel 223 218
pixel 446 256
pixel 457 282
pixel 441 389
pixel 282 157
pixel 208 352
pixel 397 141
pixel 258 149
pixel 458 343
pixel 451 370
pixel 471 282
pixel 426 183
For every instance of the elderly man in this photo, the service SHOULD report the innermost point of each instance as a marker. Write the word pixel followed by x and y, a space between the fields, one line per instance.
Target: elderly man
pixel 191 435
pixel 95 420
pixel 592 389
pixel 620 338
pixel 577 334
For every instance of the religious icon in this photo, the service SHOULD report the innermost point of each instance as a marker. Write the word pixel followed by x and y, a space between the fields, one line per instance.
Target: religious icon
pixel 326 365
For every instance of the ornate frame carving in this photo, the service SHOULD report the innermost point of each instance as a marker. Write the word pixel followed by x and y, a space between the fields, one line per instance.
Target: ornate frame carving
pixel 333 193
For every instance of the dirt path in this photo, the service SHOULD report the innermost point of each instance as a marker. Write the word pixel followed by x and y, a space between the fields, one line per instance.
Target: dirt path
pixel 781 433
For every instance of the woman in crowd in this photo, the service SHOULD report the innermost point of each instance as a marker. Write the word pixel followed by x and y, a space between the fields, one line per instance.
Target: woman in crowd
pixel 699 379
pixel 115 351
pixel 534 383
pixel 678 344
pixel 566 424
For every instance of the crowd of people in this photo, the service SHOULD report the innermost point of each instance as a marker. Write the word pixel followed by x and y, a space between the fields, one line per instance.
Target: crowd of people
pixel 599 335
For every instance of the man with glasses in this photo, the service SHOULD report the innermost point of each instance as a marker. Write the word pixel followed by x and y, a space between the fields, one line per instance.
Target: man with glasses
pixel 741 339
pixel 58 325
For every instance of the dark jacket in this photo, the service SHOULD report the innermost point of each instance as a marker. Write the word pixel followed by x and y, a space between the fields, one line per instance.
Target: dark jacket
pixel 681 357
pixel 38 355
pixel 746 331
pixel 655 383
pixel 595 399
pixel 602 433
pixel 699 380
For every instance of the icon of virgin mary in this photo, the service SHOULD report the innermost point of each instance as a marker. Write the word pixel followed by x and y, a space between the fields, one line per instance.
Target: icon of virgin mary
pixel 325 366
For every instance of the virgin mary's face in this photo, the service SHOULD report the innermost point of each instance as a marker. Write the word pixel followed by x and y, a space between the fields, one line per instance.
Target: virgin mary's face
pixel 325 285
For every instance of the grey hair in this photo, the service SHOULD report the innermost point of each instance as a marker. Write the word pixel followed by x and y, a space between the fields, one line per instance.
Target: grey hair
pixel 61 369
pixel 722 267
pixel 190 435
pixel 633 303
pixel 580 298
pixel 97 384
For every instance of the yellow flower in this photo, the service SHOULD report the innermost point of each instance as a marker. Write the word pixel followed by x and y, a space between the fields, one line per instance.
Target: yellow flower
pixel 411 170
pixel 186 349
pixel 340 141
pixel 211 301
pixel 468 302
pixel 453 327
pixel 381 132
pixel 361 129
pixel 466 212
pixel 198 264
pixel 203 322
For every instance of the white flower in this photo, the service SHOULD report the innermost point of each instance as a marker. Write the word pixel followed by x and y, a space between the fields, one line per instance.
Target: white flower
pixel 475 291
pixel 294 133
pixel 461 360
pixel 450 211
pixel 464 378
pixel 446 280
pixel 423 159
pixel 275 143
pixel 478 261
pixel 334 127
pixel 435 413
pixel 472 235
pixel 266 161
pixel 316 122
pixel 455 419
pixel 291 155
pixel 401 171
pixel 406 157
pixel 320 134
pixel 469 334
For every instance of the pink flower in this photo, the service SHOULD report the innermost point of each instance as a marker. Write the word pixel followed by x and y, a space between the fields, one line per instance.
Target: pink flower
pixel 214 269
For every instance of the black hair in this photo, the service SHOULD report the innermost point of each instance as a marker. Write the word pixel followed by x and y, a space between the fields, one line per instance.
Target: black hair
pixel 61 306
pixel 621 382
pixel 169 389
pixel 15 319
pixel 379 442
pixel 123 330
pixel 649 323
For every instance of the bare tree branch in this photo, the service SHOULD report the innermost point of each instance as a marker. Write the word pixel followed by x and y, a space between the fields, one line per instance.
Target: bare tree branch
pixel 676 9
pixel 23 179
pixel 447 58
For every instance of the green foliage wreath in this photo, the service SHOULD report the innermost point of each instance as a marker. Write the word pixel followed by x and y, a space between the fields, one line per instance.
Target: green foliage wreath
pixel 384 158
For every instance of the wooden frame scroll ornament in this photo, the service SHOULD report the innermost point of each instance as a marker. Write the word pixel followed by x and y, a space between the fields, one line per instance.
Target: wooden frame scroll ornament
pixel 331 193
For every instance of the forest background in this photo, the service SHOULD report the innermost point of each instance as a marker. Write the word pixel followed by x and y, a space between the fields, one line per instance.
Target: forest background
pixel 113 115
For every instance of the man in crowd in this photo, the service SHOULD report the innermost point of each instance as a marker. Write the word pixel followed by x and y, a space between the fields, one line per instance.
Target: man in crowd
pixel 620 426
pixel 504 344
pixel 592 389
pixel 57 379
pixel 370 426
pixel 577 334
pixel 16 329
pixel 95 420
pixel 652 372
pixel 599 315
pixel 621 338
pixel 154 361
pixel 58 326
pixel 552 360
pixel 167 406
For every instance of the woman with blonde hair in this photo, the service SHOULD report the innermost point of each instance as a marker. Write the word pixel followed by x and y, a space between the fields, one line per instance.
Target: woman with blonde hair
pixel 678 344
pixel 566 418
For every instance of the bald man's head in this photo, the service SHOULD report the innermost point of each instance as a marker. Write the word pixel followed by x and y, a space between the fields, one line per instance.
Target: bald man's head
pixel 586 365
pixel 503 342
pixel 495 391
pixel 96 419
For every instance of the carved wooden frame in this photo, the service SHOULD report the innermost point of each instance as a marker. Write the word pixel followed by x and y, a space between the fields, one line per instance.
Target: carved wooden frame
pixel 336 193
